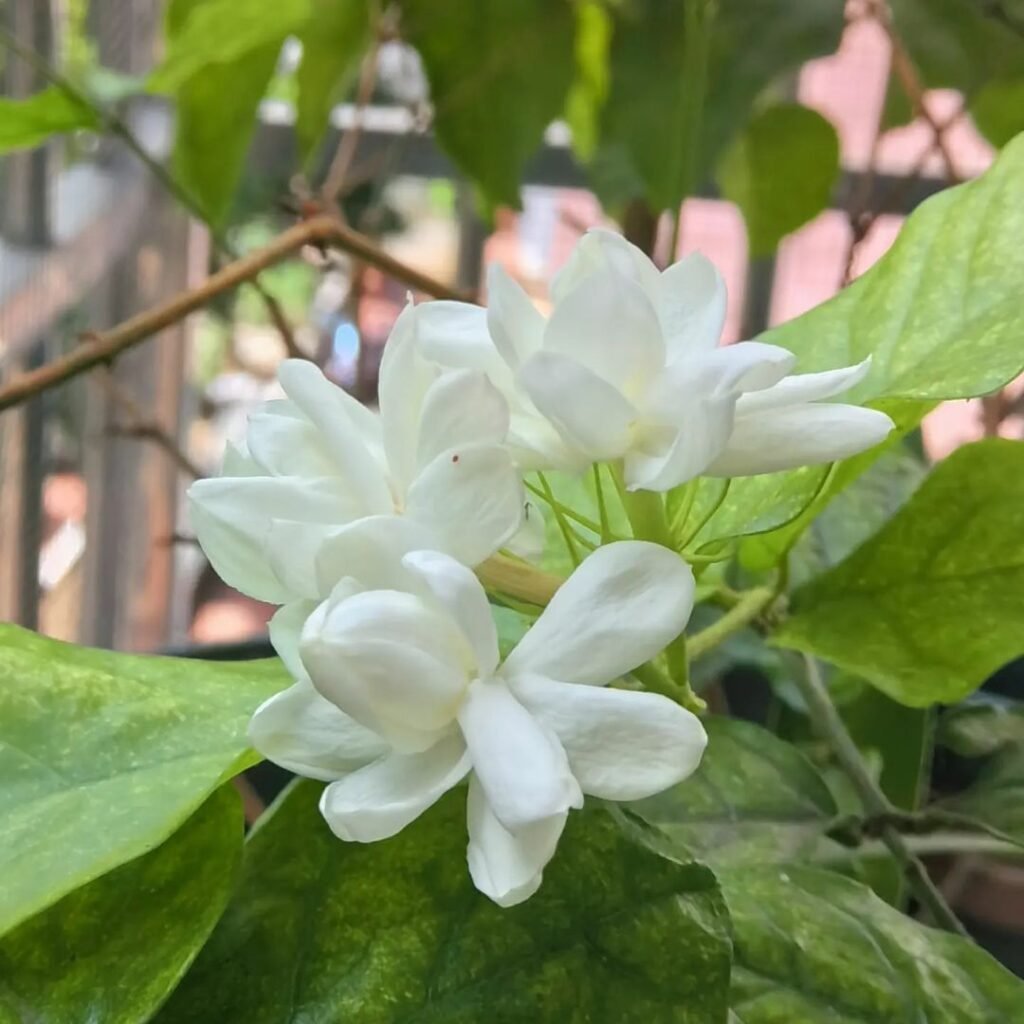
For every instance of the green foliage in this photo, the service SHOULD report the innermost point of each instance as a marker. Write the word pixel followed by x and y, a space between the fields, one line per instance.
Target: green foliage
pixel 104 755
pixel 332 42
pixel 395 931
pixel 754 799
pixel 780 172
pixel 751 43
pixel 932 604
pixel 499 74
pixel 939 314
pixel 29 122
pixel 812 947
pixel 994 799
pixel 113 950
pixel 982 727
pixel 221 57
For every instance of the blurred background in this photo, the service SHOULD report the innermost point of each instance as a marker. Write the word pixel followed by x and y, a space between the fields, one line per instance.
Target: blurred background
pixel 121 185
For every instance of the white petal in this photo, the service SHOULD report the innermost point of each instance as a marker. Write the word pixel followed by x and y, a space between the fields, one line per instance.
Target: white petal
pixel 285 628
pixel 691 305
pixel 391 661
pixel 534 443
pixel 402 383
pixel 804 387
pixel 463 598
pixel 461 407
pixel 799 435
pixel 621 744
pixel 515 324
pixel 591 414
pixel 306 734
pixel 455 335
pixel 621 607
pixel 341 420
pixel 600 249
pixel 521 765
pixel 469 501
pixel 507 867
pixel 370 550
pixel 238 462
pixel 287 445
pixel 378 801
pixel 732 369
pixel 232 517
pixel 528 541
pixel 608 324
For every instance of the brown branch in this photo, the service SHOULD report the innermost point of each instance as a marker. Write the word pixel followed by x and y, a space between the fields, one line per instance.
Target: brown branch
pixel 103 348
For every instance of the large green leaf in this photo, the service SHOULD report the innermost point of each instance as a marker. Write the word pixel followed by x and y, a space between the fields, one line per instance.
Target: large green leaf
pixel 752 42
pixel 333 40
pixel 329 931
pixel 940 315
pixel 755 798
pixel 114 950
pixel 813 947
pixel 27 123
pixel 933 603
pixel 780 172
pixel 217 105
pixel 104 755
pixel 499 73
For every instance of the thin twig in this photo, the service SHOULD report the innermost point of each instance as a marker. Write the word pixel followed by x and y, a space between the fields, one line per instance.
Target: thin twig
pixel 830 725
pixel 115 125
pixel 141 426
pixel 103 348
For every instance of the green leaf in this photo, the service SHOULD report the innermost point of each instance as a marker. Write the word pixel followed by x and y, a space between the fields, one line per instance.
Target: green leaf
pixel 29 122
pixel 218 105
pixel 104 755
pixel 752 43
pixel 995 798
pixel 811 946
pixel 114 950
pixel 754 799
pixel 981 728
pixel 931 605
pixel 940 315
pixel 780 172
pixel 499 74
pixel 395 931
pixel 590 86
pixel 333 40
pixel 203 34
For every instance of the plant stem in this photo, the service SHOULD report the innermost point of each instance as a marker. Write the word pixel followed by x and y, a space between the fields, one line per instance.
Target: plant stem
pixel 745 609
pixel 646 513
pixel 602 508
pixel 563 526
pixel 518 579
pixel 829 724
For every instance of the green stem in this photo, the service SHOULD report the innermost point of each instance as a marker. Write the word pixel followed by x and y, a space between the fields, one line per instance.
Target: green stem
pixel 747 607
pixel 703 521
pixel 646 513
pixel 563 526
pixel 569 513
pixel 602 508
pixel 830 725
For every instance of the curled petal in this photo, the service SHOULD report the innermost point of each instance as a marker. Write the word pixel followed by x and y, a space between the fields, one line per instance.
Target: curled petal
pixel 521 766
pixel 285 630
pixel 601 249
pixel 621 744
pixel 623 605
pixel 378 801
pixel 691 305
pixel 505 866
pixel 515 324
pixel 463 598
pixel 304 733
pixel 799 435
pixel 804 387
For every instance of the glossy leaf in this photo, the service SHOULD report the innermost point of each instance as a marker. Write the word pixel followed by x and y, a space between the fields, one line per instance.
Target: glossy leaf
pixel 932 604
pixel 216 107
pixel 939 314
pixel 29 122
pixel 755 798
pixel 780 172
pixel 499 74
pixel 104 755
pixel 811 946
pixel 114 950
pixel 333 40
pixel 752 43
pixel 394 931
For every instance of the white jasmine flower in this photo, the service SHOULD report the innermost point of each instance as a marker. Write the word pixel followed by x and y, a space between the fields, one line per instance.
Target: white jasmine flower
pixel 628 367
pixel 319 460
pixel 402 696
